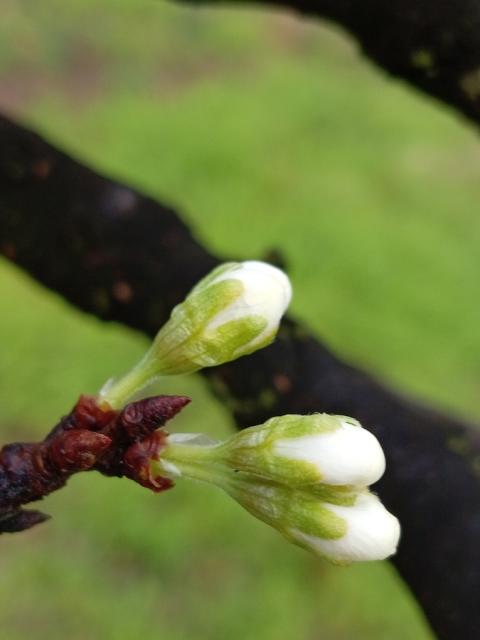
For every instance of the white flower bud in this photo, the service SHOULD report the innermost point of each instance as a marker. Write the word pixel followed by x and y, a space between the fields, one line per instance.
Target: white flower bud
pixel 372 532
pixel 300 450
pixel 347 455
pixel 232 312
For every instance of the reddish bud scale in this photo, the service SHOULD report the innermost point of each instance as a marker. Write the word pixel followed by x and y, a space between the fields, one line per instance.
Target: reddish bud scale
pixel 139 419
pixel 77 450
pixel 133 424
pixel 33 470
pixel 90 437
pixel 138 459
pixel 86 414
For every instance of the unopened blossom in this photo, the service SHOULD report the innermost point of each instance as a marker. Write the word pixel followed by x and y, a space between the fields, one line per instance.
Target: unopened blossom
pixel 370 531
pixel 299 450
pixel 232 312
pixel 306 476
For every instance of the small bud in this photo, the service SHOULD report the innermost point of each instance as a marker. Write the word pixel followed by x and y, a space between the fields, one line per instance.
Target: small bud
pixel 232 312
pixel 369 531
pixel 306 476
pixel 342 528
pixel 299 450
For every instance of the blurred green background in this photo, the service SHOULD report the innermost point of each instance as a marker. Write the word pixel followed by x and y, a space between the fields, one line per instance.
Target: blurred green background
pixel 267 132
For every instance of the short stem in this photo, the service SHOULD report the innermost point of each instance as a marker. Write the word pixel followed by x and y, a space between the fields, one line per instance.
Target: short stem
pixel 120 391
pixel 196 462
pixel 205 462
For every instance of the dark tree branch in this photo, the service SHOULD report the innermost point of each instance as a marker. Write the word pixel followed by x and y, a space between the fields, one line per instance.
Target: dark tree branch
pixel 434 46
pixel 121 256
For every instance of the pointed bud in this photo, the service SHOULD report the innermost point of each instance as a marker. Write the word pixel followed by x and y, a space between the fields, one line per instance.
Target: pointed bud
pixel 232 312
pixel 138 419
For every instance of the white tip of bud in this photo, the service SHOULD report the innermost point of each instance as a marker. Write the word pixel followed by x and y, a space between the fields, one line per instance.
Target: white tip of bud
pixel 372 533
pixel 348 455
pixel 267 292
pixel 233 311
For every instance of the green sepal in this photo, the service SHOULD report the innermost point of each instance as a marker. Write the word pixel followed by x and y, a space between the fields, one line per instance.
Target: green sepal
pixel 252 450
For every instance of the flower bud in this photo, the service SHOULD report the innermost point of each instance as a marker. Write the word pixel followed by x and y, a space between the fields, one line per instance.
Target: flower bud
pixel 368 531
pixel 306 476
pixel 300 450
pixel 359 530
pixel 232 312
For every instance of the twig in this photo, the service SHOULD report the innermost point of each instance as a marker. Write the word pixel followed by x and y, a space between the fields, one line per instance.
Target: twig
pixel 90 437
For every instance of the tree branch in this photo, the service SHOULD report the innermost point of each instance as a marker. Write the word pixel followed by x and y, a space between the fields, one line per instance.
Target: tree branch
pixel 434 46
pixel 121 256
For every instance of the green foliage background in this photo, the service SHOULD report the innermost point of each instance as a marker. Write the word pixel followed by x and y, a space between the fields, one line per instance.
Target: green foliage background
pixel 267 132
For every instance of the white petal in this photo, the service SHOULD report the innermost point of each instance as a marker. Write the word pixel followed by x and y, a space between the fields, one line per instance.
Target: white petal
pixel 372 534
pixel 349 455
pixel 170 467
pixel 267 293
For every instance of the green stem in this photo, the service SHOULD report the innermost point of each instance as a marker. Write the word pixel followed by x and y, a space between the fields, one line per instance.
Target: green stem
pixel 194 461
pixel 118 393
pixel 205 462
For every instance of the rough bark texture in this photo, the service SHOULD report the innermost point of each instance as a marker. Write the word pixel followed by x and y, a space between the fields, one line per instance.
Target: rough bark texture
pixel 123 257
pixel 434 46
